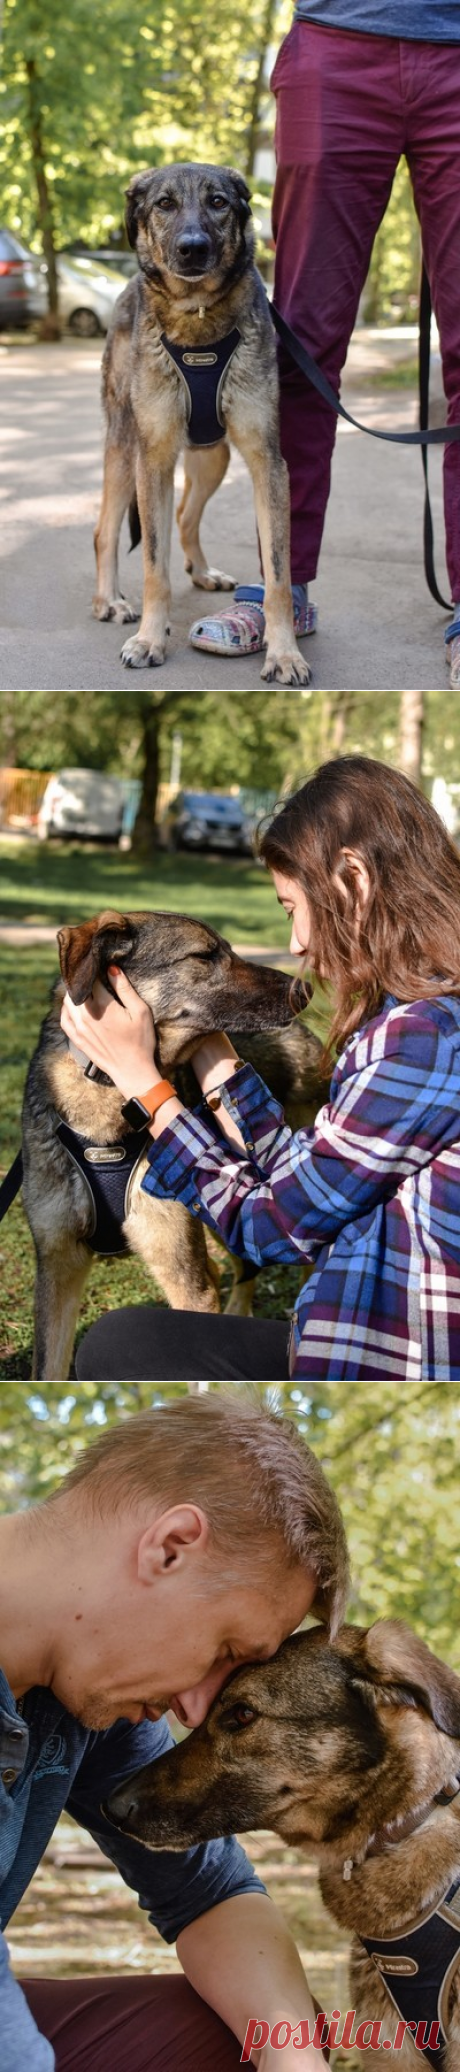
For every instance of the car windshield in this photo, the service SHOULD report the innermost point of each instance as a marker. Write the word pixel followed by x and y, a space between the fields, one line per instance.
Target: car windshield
pixel 209 802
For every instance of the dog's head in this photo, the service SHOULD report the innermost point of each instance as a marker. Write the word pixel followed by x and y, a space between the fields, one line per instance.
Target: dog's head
pixel 324 1744
pixel 190 223
pixel 189 976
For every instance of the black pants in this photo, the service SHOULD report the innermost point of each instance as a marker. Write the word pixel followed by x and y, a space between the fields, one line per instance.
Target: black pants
pixel 147 1344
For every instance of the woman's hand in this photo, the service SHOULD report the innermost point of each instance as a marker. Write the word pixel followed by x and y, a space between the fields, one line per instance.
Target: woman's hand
pixel 118 1035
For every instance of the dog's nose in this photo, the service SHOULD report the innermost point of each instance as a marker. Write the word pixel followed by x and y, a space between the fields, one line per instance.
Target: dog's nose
pixel 194 246
pixel 300 994
pixel 122 1805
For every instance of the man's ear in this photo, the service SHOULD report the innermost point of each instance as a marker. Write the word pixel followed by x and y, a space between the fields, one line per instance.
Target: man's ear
pixel 136 195
pixel 243 196
pixel 85 952
pixel 393 1666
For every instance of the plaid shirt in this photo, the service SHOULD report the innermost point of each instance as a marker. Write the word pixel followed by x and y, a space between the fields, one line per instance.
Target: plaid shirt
pixel 369 1198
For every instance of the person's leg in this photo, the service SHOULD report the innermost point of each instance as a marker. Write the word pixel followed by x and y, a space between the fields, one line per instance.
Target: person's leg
pixel 432 82
pixel 147 1344
pixel 130 2025
pixel 339 136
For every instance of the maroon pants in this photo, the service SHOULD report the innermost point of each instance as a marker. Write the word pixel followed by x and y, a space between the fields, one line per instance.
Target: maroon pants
pixel 348 107
pixel 130 2025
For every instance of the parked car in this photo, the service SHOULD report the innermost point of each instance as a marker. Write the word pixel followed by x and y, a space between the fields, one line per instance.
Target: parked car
pixel 82 803
pixel 111 260
pixel 87 295
pixel 23 295
pixel 206 820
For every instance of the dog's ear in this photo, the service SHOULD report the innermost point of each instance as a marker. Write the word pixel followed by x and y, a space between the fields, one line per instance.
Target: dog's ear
pixel 85 952
pixel 135 197
pixel 392 1665
pixel 243 196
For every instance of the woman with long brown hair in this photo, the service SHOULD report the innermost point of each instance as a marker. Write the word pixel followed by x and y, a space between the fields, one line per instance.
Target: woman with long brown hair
pixel 369 1199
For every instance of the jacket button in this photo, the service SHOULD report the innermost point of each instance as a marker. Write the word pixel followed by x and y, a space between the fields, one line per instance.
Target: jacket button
pixel 9 1777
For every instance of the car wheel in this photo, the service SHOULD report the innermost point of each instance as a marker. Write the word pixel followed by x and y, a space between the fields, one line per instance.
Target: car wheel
pixel 84 323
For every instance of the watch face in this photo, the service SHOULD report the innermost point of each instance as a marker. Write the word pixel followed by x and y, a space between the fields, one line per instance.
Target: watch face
pixel 135 1113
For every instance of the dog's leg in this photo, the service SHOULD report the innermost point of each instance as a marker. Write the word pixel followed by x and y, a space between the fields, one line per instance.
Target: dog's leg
pixel 118 490
pixel 240 1301
pixel 59 1285
pixel 173 1248
pixel 155 491
pixel 261 451
pixel 204 470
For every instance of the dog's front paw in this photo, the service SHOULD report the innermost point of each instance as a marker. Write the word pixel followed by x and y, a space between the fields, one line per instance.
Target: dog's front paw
pixel 286 668
pixel 139 653
pixel 117 608
pixel 212 579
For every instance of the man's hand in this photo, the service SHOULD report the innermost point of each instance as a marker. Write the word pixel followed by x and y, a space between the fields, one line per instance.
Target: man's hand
pixel 118 1035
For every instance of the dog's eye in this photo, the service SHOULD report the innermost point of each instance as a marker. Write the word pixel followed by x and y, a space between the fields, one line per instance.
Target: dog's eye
pixel 240 1716
pixel 218 201
pixel 166 201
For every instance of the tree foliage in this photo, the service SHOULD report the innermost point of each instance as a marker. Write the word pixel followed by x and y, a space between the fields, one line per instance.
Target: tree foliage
pixel 116 88
pixel 89 95
pixel 255 738
pixel 392 1454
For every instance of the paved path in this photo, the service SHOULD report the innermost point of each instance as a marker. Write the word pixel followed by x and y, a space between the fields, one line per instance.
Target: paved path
pixel 378 626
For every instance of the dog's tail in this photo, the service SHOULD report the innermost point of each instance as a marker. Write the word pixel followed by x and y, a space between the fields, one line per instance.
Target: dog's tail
pixel 11 1185
pixel 134 522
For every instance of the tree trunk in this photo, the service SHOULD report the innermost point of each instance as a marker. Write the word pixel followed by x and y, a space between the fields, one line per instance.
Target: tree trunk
pixel 266 35
pixel 144 831
pixel 411 721
pixel 45 206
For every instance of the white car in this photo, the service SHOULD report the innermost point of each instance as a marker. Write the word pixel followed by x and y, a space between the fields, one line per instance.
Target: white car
pixel 82 802
pixel 87 294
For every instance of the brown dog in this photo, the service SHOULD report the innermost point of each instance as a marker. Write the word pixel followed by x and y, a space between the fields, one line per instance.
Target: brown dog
pixel 351 1752
pixel 196 309
pixel 193 983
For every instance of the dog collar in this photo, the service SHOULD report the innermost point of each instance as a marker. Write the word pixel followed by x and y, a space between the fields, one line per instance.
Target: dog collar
pixel 202 370
pixel 395 1831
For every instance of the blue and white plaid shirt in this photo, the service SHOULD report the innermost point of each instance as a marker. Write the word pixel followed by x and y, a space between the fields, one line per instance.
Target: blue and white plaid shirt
pixel 369 1198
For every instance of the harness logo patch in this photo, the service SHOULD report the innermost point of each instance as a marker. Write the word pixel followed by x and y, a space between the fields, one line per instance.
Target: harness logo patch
pixel 51 1757
pixel 200 359
pixel 397 1967
pixel 105 1154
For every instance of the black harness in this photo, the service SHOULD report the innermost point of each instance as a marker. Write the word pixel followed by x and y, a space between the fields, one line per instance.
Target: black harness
pixel 202 370
pixel 108 1171
pixel 417 1969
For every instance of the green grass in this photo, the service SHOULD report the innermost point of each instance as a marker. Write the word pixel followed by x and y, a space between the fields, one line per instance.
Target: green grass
pixel 58 885
pixel 65 882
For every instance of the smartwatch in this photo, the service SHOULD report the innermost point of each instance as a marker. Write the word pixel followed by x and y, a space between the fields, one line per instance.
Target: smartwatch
pixel 140 1112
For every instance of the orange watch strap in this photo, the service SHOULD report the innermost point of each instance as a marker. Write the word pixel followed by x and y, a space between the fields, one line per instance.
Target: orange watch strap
pixel 163 1091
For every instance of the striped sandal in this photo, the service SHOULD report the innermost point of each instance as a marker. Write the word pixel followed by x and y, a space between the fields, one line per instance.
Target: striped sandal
pixel 240 630
pixel 452 640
